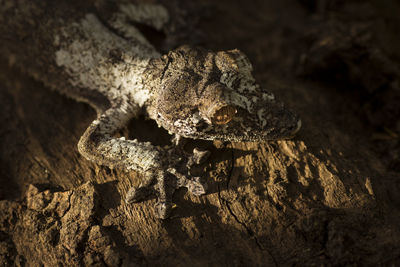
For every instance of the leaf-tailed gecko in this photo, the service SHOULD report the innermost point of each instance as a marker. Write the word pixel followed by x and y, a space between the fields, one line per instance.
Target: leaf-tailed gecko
pixel 191 92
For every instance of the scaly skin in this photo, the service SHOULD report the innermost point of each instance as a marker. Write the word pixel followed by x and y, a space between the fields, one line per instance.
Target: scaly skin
pixel 191 92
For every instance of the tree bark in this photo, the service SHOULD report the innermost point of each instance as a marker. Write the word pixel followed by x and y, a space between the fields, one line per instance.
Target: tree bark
pixel 325 197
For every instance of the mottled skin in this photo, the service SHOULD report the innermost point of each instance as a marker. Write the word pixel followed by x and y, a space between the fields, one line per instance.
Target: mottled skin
pixel 191 92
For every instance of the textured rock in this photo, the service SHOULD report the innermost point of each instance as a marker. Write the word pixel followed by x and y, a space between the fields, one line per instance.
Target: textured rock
pixel 324 198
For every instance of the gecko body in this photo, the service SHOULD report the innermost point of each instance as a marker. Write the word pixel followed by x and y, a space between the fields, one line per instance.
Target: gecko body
pixel 191 92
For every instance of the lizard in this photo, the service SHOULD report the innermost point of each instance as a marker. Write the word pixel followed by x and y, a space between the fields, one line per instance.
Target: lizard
pixel 191 92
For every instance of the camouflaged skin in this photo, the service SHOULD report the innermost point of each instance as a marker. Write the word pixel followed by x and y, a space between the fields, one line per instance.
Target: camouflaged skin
pixel 191 92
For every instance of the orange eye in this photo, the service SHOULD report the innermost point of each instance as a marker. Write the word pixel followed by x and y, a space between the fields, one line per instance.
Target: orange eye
pixel 223 115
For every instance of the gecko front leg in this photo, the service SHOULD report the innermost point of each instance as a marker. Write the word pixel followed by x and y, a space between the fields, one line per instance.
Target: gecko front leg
pixel 164 170
pixel 172 174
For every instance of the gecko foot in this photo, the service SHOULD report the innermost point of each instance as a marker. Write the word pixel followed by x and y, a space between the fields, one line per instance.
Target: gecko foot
pixel 195 185
pixel 198 157
pixel 163 185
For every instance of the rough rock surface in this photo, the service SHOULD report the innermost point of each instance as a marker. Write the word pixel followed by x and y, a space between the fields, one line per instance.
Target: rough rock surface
pixel 331 196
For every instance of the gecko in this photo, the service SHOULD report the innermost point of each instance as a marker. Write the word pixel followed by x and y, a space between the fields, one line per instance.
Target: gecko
pixel 191 92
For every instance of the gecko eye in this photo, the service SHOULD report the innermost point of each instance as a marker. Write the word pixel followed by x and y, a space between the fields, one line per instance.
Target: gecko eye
pixel 223 115
pixel 214 106
pixel 218 113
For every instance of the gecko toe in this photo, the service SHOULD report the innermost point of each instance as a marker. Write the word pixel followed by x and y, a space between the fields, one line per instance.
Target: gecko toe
pixel 163 209
pixel 196 186
pixel 198 157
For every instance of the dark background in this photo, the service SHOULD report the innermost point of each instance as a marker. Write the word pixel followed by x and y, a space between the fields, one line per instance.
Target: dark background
pixel 329 197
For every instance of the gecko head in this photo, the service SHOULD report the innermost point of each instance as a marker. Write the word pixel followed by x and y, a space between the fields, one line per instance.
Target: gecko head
pixel 213 95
